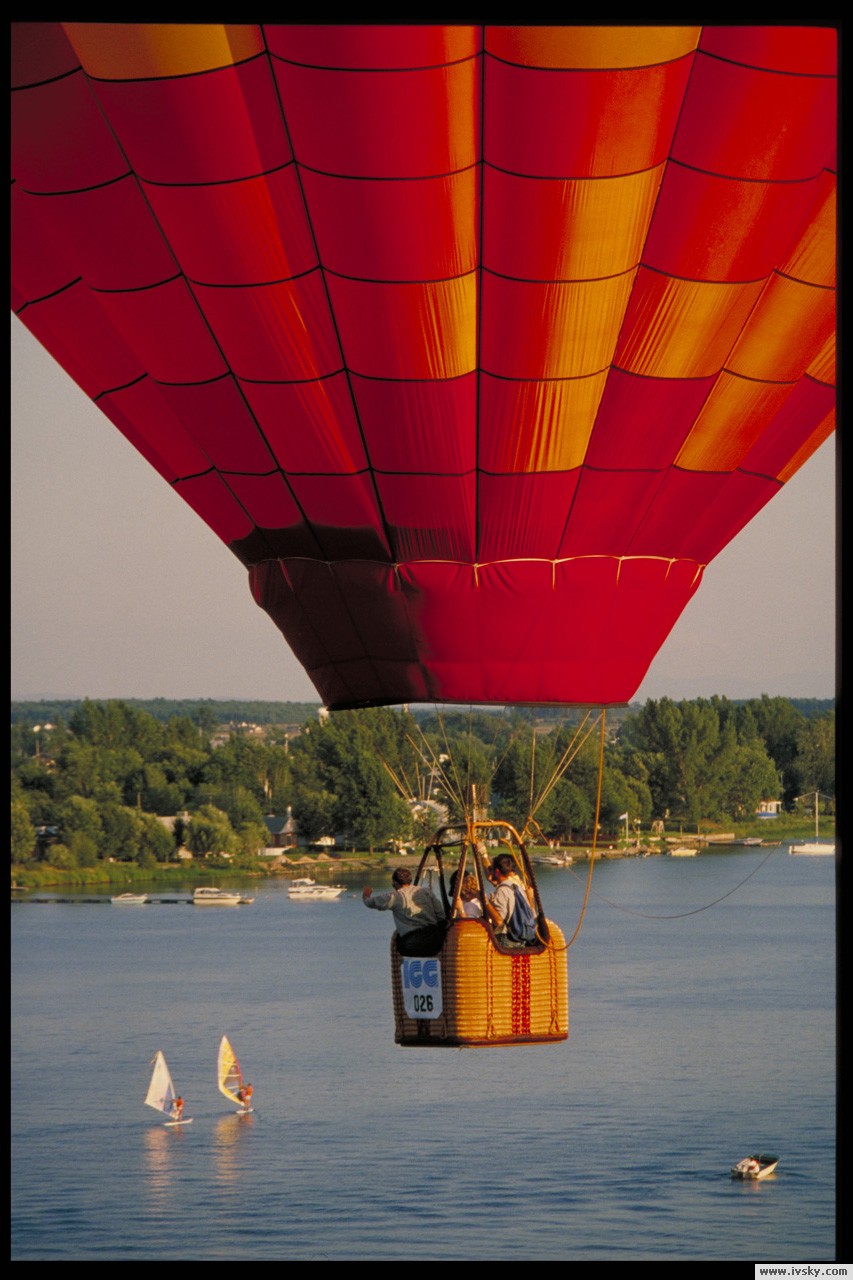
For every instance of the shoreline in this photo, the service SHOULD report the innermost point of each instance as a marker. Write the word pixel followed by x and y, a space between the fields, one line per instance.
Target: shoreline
pixel 107 876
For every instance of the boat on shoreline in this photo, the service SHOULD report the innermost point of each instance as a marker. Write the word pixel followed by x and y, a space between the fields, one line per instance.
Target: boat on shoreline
pixel 130 900
pixel 816 846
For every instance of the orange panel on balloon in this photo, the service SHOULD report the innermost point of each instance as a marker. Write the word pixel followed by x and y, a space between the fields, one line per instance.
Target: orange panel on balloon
pixel 142 50
pixel 813 259
pixel 732 419
pixel 566 230
pixel 537 426
pixel 681 329
pixel 601 47
pixel 786 330
pixel 551 330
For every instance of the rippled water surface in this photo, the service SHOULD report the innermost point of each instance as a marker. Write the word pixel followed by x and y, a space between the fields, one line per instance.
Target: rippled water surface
pixel 696 1037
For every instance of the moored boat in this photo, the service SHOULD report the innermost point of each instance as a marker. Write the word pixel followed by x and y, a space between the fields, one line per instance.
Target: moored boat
pixel 816 846
pixel 208 896
pixel 684 851
pixel 308 890
pixel 130 900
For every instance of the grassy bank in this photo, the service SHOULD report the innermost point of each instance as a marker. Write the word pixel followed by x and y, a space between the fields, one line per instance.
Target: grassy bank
pixel 128 874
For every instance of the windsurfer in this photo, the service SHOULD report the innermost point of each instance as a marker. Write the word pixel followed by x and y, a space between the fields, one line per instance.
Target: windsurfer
pixel 245 1096
pixel 177 1108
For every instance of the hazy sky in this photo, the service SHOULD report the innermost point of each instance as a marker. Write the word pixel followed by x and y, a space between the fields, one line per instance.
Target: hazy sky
pixel 120 590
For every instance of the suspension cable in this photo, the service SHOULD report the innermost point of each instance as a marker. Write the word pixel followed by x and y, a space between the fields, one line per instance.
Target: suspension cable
pixel 592 854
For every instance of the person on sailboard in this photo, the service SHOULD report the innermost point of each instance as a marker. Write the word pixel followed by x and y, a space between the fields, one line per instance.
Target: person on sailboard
pixel 177 1108
pixel 418 915
pixel 245 1096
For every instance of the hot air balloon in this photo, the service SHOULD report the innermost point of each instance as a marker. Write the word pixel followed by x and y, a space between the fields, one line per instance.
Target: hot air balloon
pixel 468 341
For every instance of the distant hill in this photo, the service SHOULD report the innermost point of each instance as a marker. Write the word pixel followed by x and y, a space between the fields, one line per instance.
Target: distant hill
pixel 215 710
pixel 235 710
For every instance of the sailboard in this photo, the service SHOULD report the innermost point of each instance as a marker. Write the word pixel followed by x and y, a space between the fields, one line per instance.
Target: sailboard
pixel 230 1077
pixel 161 1092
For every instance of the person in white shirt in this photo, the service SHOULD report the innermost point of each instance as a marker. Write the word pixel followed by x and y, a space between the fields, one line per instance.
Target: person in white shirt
pixel 418 915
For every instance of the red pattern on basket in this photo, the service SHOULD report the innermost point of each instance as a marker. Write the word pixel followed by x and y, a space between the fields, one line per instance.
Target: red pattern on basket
pixel 520 995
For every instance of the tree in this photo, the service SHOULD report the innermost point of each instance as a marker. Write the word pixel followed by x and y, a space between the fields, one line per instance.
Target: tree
pixel 209 831
pixel 815 759
pixel 23 833
pixel 156 842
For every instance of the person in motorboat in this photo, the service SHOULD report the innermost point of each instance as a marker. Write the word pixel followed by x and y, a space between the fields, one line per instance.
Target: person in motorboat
pixel 418 915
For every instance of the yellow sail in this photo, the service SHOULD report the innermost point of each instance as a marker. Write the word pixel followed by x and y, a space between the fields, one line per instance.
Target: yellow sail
pixel 229 1075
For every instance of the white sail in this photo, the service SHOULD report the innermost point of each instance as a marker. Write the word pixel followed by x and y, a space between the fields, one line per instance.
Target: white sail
pixel 228 1074
pixel 161 1091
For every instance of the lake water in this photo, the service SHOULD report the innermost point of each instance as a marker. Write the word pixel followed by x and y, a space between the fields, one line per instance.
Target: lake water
pixel 696 1037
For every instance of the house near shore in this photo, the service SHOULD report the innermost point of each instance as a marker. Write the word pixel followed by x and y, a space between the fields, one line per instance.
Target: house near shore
pixel 769 809
pixel 283 831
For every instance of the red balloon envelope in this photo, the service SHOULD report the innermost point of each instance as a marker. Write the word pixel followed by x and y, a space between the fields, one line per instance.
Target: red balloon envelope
pixel 470 342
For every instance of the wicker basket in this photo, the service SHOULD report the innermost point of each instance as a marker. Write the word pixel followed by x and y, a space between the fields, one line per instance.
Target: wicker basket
pixel 485 996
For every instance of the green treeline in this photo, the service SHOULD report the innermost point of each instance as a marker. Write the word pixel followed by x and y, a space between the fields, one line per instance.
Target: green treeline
pixel 96 783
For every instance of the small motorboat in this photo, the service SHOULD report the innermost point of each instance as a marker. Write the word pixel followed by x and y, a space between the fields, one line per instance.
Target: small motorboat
pixel 683 851
pixel 306 890
pixel 208 896
pixel 130 900
pixel 752 1168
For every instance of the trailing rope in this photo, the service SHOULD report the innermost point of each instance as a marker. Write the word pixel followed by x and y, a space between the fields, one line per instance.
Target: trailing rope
pixel 679 915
